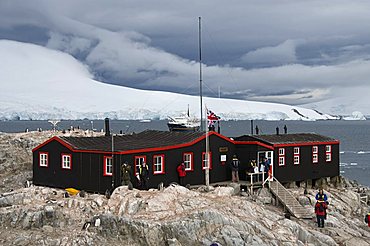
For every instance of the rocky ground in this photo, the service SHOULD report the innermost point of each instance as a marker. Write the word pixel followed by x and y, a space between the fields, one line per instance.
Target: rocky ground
pixel 173 216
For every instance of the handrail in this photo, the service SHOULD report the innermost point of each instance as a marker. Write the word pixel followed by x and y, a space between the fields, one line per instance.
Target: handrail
pixel 280 187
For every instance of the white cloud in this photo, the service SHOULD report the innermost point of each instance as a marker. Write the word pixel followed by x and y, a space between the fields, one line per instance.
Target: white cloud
pixel 308 49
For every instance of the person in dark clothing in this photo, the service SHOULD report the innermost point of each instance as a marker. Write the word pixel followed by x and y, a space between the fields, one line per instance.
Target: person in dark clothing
pixel 367 219
pixel 144 176
pixel 320 211
pixel 125 174
pixel 182 173
pixel 235 169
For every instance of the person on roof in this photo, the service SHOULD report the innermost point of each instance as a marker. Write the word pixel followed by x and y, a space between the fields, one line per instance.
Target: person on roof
pixel 182 173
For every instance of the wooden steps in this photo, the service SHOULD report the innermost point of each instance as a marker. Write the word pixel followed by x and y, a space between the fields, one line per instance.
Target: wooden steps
pixel 289 201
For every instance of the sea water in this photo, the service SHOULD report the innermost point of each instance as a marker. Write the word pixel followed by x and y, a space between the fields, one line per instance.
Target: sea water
pixel 354 136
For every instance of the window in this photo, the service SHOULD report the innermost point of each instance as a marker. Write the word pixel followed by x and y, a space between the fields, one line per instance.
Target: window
pixel 281 151
pixel 328 148
pixel 188 161
pixel 43 159
pixel 296 150
pixel 281 160
pixel 296 158
pixel 158 164
pixel 315 158
pixel 66 161
pixel 328 153
pixel 206 160
pixel 315 154
pixel 315 149
pixel 139 160
pixel 281 157
pixel 108 166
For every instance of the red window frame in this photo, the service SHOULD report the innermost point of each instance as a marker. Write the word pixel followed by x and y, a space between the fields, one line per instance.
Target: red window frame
pixel 209 158
pixel 191 160
pixel 162 164
pixel 296 154
pixel 135 162
pixel 281 156
pixel 47 159
pixel 315 154
pixel 70 161
pixel 328 153
pixel 105 158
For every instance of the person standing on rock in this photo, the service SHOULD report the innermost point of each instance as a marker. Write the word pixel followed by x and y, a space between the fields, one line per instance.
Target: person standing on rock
pixel 321 196
pixel 182 173
pixel 320 211
pixel 367 219
pixel 144 176
pixel 125 174
pixel 235 169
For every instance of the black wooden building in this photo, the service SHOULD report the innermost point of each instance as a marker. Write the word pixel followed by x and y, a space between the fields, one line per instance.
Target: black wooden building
pixel 298 157
pixel 93 163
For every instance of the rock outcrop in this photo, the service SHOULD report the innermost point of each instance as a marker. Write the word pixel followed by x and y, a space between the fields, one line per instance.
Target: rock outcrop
pixel 174 215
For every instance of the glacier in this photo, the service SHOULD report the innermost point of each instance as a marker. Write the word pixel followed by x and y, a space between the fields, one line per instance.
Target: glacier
pixel 39 84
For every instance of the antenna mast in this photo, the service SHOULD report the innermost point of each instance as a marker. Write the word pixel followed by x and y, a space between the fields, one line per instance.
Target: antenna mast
pixel 200 75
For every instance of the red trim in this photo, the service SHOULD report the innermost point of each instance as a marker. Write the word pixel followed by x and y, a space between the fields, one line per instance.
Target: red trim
pixel 105 166
pixel 65 144
pixel 135 164
pixel 306 144
pixel 162 172
pixel 70 161
pixel 210 160
pixel 254 143
pixel 191 160
pixel 47 159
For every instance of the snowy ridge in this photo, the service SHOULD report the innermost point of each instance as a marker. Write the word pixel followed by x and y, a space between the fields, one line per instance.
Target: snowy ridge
pixel 39 84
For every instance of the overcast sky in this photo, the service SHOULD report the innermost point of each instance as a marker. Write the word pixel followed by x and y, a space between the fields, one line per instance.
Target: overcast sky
pixel 288 51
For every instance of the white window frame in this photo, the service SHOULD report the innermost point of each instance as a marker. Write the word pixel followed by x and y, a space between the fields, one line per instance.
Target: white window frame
pixel 281 160
pixel 141 159
pixel 296 159
pixel 158 164
pixel 315 158
pixel 315 149
pixel 328 153
pixel 296 150
pixel 43 159
pixel 281 151
pixel 108 166
pixel 188 162
pixel 66 161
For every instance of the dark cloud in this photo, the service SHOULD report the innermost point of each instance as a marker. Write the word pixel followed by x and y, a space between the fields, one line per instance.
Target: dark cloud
pixel 292 52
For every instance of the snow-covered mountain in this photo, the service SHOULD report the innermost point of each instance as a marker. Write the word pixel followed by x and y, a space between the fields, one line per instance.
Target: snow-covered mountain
pixel 39 83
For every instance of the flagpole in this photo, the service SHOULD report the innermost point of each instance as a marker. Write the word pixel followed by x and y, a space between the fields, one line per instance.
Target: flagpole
pixel 207 151
pixel 200 75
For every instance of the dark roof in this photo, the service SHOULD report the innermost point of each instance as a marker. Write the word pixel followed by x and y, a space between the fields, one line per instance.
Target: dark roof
pixel 286 138
pixel 142 140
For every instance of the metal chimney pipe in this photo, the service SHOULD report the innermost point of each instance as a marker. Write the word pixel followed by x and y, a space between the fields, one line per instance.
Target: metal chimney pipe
pixel 107 131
